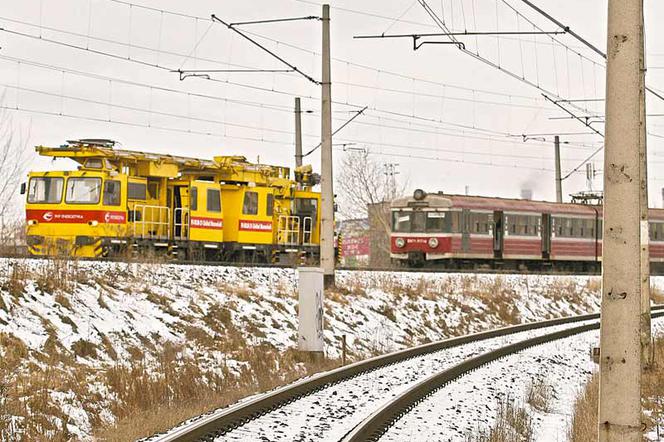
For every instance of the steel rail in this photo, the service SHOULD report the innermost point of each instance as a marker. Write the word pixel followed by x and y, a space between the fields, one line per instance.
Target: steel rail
pixel 224 420
pixel 372 428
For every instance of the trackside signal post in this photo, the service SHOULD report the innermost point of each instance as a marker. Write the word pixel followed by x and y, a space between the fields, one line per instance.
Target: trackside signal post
pixel 620 335
pixel 327 190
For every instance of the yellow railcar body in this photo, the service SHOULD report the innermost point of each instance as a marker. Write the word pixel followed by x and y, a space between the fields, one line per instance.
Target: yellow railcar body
pixel 68 212
pixel 121 199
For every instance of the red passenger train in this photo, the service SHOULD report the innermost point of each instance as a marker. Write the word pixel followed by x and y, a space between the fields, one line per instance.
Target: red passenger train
pixel 473 232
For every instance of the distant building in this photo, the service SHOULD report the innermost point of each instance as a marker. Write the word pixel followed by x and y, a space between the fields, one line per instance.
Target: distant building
pixel 354 247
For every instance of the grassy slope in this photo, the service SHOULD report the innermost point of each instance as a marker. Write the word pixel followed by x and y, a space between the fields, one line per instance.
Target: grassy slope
pixel 99 348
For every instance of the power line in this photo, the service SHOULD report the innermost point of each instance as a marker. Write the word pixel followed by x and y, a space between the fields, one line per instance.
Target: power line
pixel 232 124
pixel 245 68
pixel 254 104
pixel 164 68
pixel 339 60
pixel 262 140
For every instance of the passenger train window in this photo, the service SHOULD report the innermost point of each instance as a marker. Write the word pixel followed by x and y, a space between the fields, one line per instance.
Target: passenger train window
pixel 213 200
pixel 250 204
pixel 523 225
pixel 577 227
pixel 657 231
pixel 45 190
pixel 112 193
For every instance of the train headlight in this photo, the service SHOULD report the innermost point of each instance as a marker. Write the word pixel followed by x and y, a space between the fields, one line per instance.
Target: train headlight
pixel 419 194
pixel 93 223
pixel 400 243
pixel 433 242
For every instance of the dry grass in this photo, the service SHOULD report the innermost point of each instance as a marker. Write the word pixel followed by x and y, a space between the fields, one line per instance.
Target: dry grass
pixel 156 397
pixel 513 424
pixel 539 395
pixel 584 421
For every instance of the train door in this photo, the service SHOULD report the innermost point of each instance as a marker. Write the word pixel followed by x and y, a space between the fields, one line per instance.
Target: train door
pixel 498 233
pixel 181 212
pixel 465 230
pixel 546 235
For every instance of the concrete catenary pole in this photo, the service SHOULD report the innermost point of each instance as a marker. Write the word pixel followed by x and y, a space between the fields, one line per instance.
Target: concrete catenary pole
pixel 620 334
pixel 327 189
pixel 646 349
pixel 298 133
pixel 559 181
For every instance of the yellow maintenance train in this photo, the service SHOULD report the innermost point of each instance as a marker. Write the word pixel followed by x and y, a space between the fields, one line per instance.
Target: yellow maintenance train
pixel 121 201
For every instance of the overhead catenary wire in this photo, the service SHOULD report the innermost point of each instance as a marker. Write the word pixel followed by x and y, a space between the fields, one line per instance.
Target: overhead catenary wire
pixel 153 65
pixel 263 140
pixel 336 59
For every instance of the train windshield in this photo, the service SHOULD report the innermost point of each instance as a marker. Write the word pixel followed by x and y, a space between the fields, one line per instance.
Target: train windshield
pixel 45 190
pixel 83 190
pixel 401 221
pixel 418 221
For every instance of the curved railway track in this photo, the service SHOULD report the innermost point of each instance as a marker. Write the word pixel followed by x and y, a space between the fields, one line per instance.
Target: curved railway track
pixel 372 425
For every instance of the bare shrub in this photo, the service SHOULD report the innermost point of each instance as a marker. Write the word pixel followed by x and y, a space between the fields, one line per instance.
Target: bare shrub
pixel 539 395
pixel 17 278
pixel 513 424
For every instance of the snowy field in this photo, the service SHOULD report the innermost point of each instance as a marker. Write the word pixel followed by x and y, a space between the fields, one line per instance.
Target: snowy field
pixel 81 321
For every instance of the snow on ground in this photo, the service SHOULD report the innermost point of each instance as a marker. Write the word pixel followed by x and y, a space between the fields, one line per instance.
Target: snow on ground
pixel 79 320
pixel 330 413
pixel 469 405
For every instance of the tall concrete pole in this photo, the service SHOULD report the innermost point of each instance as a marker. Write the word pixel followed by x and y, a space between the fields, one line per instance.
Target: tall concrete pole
pixel 298 133
pixel 620 334
pixel 327 189
pixel 559 181
pixel 646 350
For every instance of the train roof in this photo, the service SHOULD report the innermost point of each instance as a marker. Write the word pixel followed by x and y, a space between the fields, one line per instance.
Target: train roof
pixel 440 200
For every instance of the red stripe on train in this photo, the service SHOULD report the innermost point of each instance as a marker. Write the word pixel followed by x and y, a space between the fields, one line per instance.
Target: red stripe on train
pixel 75 216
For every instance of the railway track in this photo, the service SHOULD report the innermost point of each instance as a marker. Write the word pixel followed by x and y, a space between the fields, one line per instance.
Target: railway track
pixel 149 260
pixel 370 395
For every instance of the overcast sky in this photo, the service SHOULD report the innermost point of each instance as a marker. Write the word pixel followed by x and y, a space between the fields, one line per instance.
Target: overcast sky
pixel 101 69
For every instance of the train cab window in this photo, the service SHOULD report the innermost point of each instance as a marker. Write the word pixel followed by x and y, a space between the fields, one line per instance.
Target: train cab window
pixel 250 204
pixel 400 221
pixel 437 222
pixel 94 163
pixel 418 221
pixel 83 190
pixel 213 200
pixel 137 191
pixel 269 204
pixel 45 190
pixel 112 193
pixel 193 195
